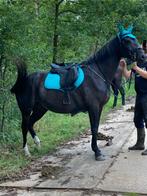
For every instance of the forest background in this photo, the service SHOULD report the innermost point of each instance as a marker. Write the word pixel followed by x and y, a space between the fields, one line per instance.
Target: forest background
pixel 45 31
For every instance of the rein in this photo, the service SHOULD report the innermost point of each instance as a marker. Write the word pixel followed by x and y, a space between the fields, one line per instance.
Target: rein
pixel 107 81
pixel 102 76
pixel 96 73
pixel 130 79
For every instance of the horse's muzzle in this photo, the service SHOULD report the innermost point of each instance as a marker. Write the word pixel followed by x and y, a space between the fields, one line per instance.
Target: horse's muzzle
pixel 137 55
pixel 133 55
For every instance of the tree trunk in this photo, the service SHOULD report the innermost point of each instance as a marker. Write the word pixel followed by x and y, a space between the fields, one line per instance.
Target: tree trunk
pixel 3 104
pixel 56 35
pixel 37 4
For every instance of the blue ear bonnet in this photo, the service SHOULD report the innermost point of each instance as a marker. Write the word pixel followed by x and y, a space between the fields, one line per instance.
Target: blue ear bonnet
pixel 125 32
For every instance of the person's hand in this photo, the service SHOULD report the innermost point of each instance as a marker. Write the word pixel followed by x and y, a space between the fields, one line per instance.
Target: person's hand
pixel 133 65
pixel 122 64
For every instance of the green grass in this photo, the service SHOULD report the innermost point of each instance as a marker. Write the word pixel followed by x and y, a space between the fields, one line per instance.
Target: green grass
pixel 53 129
pixel 131 194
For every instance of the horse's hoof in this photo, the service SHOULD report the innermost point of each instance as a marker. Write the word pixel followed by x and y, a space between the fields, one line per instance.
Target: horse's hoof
pixel 28 155
pixel 26 151
pixel 100 158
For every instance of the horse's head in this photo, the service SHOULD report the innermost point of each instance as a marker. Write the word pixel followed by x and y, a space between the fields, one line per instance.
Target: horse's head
pixel 130 48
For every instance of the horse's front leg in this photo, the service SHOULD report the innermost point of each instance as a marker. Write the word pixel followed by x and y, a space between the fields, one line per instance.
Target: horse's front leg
pixel 94 115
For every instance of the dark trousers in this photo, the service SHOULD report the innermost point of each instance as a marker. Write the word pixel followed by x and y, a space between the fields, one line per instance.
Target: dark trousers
pixel 140 113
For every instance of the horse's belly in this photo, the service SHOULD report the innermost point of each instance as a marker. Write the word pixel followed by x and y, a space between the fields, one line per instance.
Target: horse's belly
pixel 54 100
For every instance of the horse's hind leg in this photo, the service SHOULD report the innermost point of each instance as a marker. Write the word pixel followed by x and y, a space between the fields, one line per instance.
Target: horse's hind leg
pixel 37 113
pixel 25 107
pixel 122 92
pixel 24 126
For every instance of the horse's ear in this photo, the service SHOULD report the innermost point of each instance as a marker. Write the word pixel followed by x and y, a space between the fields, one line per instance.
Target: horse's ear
pixel 130 28
pixel 120 28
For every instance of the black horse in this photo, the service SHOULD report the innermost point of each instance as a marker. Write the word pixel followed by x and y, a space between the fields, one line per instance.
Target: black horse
pixel 34 100
pixel 117 86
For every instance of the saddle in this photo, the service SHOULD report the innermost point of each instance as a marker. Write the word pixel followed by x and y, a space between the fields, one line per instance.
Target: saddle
pixel 68 75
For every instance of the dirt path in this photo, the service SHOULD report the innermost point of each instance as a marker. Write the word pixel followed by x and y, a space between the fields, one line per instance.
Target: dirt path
pixel 73 171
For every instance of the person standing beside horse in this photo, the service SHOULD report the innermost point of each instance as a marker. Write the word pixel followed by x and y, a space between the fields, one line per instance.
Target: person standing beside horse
pixel 140 113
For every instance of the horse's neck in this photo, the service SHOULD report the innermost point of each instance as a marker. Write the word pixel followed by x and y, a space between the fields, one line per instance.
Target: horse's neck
pixel 107 59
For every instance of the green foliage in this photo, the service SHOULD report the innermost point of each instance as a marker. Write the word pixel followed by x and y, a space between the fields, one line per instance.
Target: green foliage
pixel 131 194
pixel 67 31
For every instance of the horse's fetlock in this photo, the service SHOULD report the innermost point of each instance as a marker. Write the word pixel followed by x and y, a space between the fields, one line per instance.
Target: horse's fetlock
pixel 37 140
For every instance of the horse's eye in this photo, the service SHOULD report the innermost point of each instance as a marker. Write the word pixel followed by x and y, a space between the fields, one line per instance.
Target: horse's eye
pixel 127 41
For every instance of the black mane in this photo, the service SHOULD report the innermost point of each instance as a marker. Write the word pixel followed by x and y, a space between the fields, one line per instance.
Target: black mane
pixel 105 52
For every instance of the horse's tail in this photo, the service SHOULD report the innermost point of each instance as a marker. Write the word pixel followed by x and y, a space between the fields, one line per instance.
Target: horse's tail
pixel 21 77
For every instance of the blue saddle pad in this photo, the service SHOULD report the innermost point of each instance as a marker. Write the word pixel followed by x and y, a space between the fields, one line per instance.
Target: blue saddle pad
pixel 52 81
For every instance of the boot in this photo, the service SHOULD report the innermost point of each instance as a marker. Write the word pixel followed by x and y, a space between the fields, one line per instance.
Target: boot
pixel 140 140
pixel 144 152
